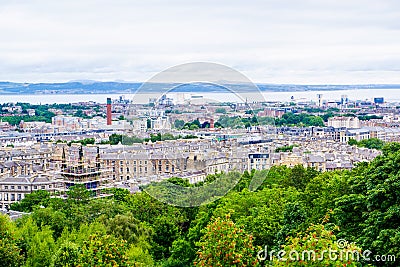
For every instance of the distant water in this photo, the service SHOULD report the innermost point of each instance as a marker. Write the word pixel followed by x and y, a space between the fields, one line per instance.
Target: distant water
pixel 390 95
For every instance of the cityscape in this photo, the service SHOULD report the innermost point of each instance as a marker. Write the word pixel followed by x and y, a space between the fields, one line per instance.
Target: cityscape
pixel 124 143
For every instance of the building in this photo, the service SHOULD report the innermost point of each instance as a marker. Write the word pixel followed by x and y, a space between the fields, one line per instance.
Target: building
pixel 84 172
pixel 356 134
pixel 259 161
pixel 315 161
pixel 160 123
pixel 379 100
pixel 328 133
pixel 109 114
pixel 14 188
pixel 319 96
pixel 140 124
pixel 344 122
pixel 271 112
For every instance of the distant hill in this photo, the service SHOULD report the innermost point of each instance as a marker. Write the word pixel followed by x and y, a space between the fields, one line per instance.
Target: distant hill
pixel 94 87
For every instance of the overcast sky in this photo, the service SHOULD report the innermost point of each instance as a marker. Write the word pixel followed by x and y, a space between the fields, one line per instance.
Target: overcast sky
pixel 270 41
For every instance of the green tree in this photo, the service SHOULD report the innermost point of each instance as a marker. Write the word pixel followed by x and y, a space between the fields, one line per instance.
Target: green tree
pixel 10 253
pixel 352 142
pixel 55 219
pixel 372 143
pixel 41 248
pixel 115 139
pixel 103 251
pixel 315 241
pixel 32 200
pixel 78 193
pixel 294 217
pixel 128 228
pixel 299 177
pixel 120 194
pixel 320 194
pixel 66 256
pixel 178 124
pixel 220 110
pixel 225 244
pixel 193 127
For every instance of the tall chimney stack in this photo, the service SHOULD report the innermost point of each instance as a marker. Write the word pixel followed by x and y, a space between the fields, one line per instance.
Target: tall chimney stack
pixel 109 115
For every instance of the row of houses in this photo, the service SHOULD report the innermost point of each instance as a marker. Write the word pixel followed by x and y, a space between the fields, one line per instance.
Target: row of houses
pixel 342 134
pixel 322 155
pixel 56 166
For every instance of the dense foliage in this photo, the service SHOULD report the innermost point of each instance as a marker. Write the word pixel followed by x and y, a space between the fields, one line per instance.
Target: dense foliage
pixel 116 139
pixel 289 210
pixel 302 119
pixel 371 143
pixel 42 112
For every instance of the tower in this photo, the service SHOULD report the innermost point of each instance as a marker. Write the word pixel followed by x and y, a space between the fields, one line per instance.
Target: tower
pixel 344 100
pixel 109 115
pixel 319 100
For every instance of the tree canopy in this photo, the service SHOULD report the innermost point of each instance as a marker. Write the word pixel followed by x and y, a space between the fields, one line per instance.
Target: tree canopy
pixel 292 208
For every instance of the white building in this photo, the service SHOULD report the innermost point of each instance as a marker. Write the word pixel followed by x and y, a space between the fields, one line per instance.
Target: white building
pixel 140 124
pixel 161 123
pixel 14 188
pixel 347 122
pixel 357 134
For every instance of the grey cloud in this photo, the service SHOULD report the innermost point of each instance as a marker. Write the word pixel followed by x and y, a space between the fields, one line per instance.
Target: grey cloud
pixel 126 39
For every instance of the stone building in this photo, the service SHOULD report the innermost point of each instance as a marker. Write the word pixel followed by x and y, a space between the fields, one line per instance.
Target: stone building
pixel 14 188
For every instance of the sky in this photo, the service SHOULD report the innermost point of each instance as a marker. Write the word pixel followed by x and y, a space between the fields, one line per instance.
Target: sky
pixel 269 41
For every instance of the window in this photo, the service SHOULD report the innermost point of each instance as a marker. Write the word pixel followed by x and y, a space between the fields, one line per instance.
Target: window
pixel 35 187
pixel 19 187
pixel 12 187
pixel 43 187
pixel 26 187
pixel 6 187
pixel 12 198
pixel 19 197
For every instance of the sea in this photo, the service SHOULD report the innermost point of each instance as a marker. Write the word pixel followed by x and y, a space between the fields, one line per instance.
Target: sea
pixel 389 95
